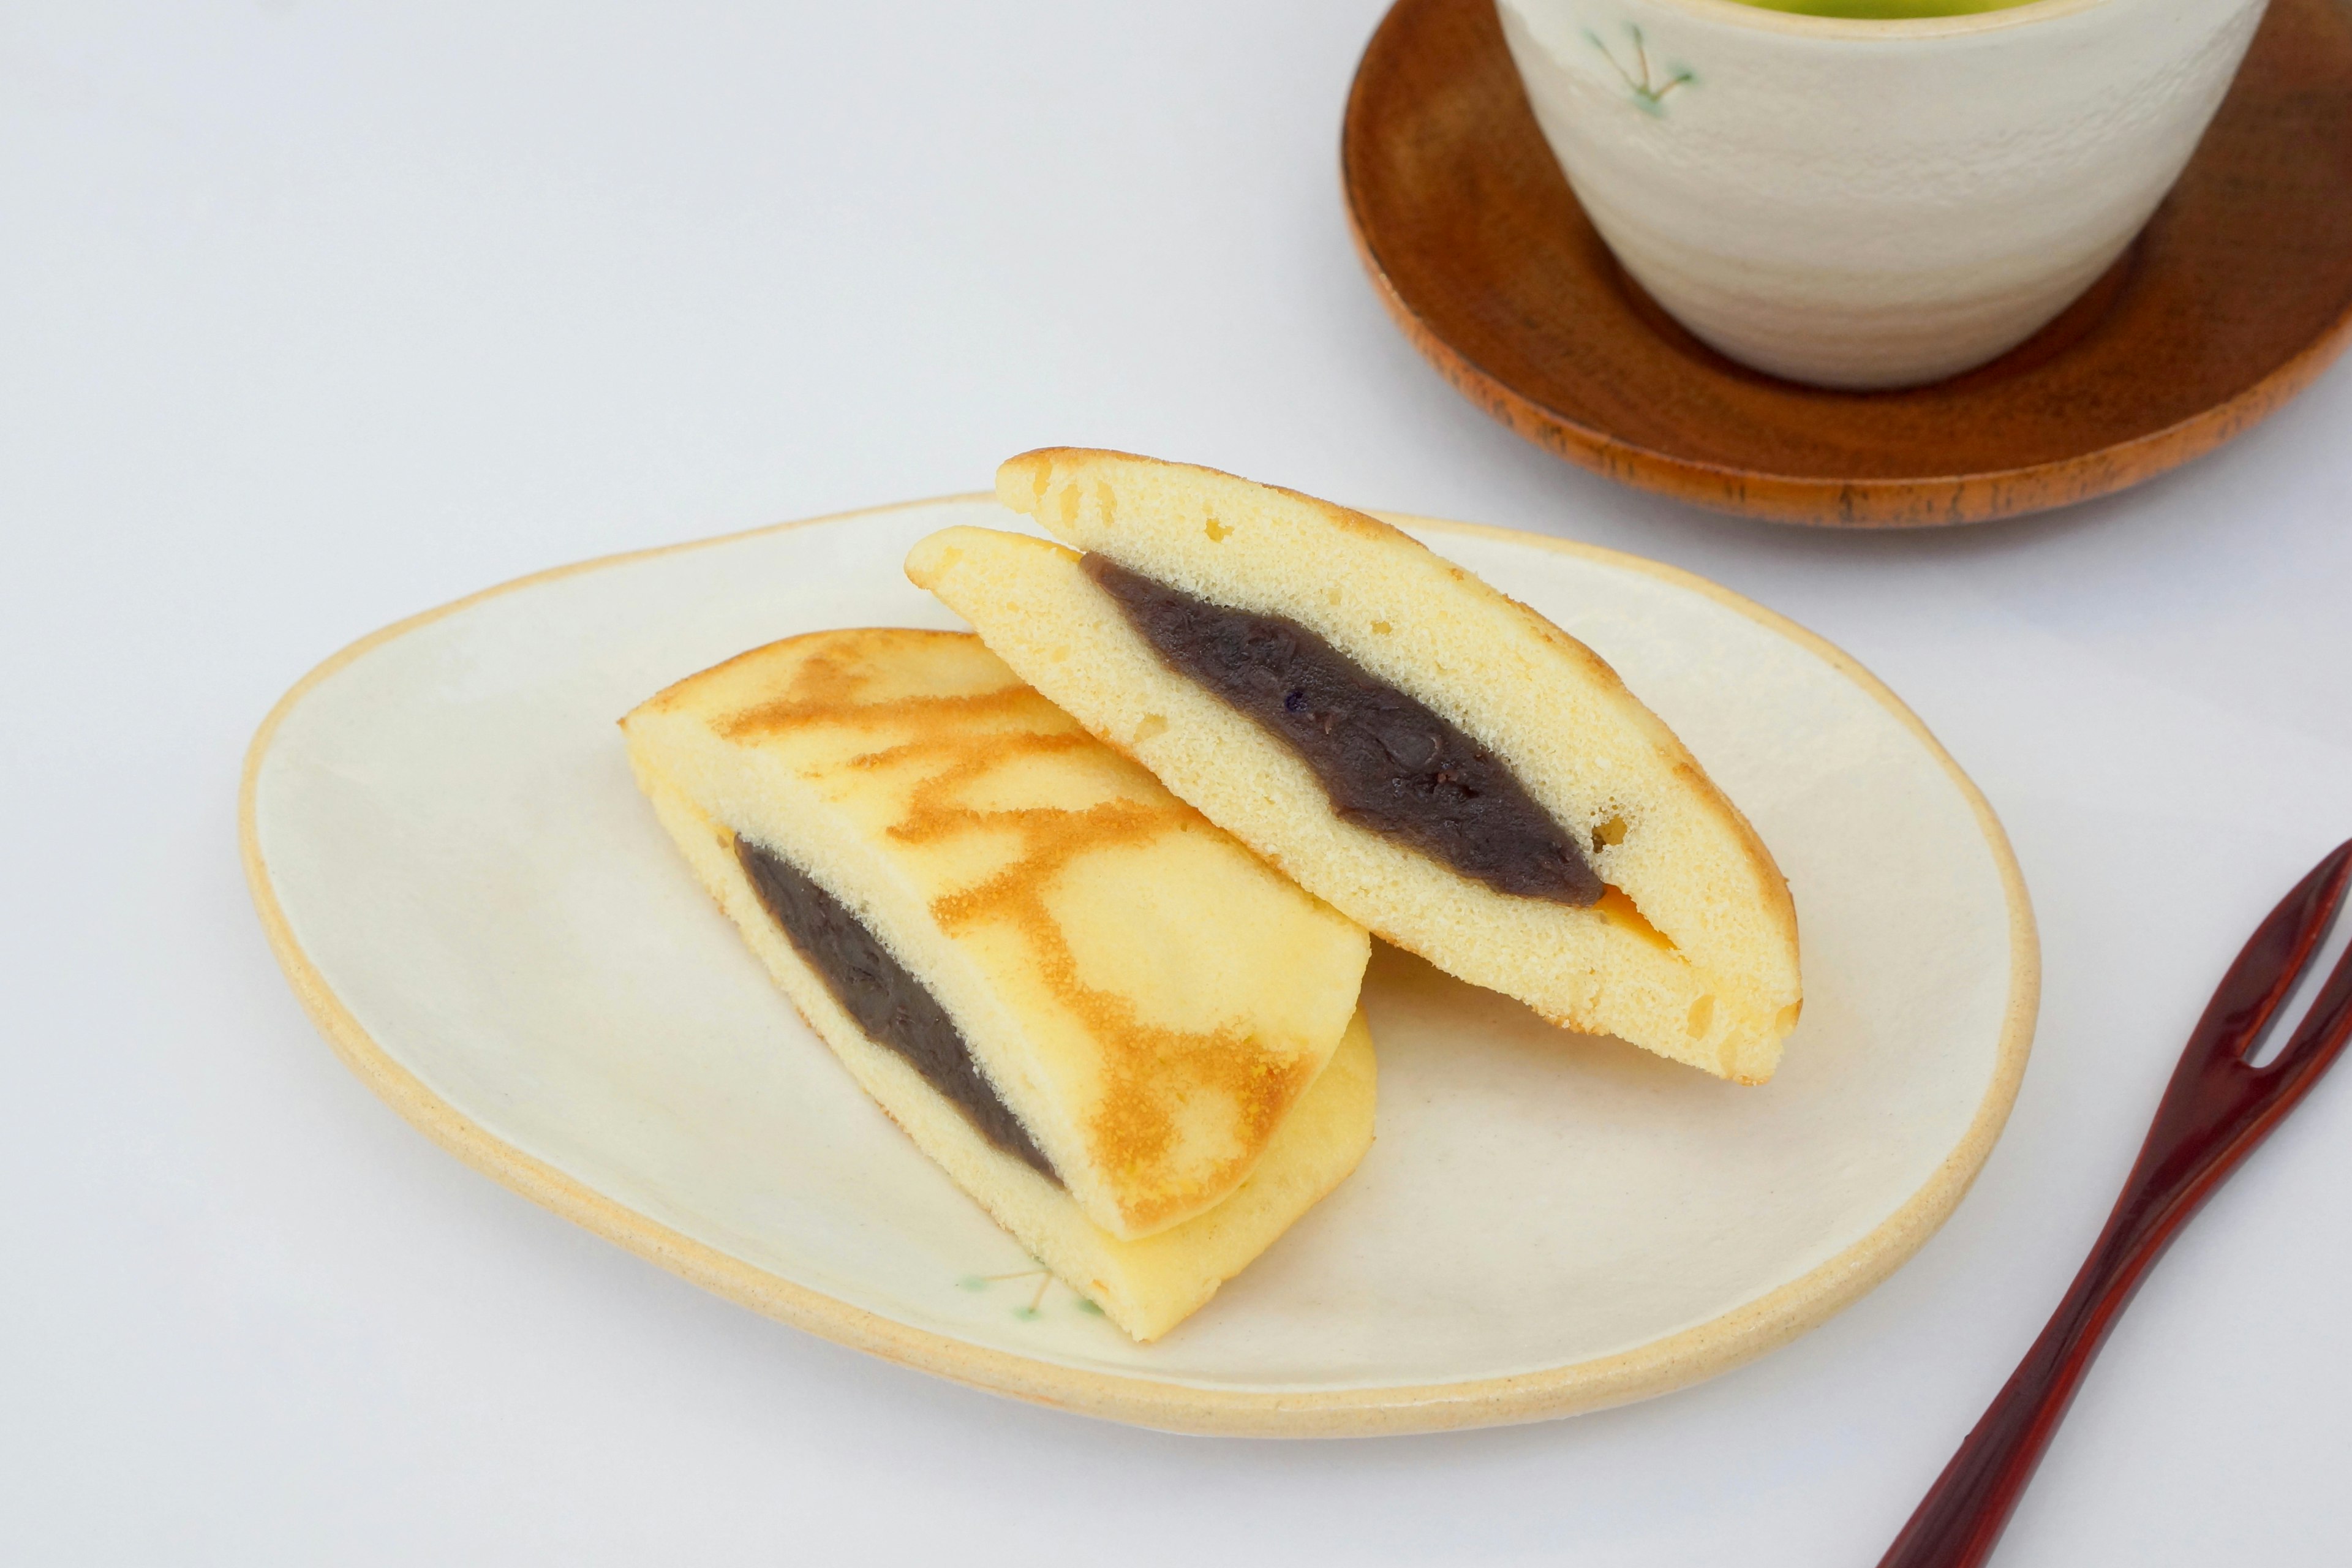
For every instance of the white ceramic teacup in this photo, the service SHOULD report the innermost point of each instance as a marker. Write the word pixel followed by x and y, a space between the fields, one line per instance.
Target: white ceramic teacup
pixel 1865 204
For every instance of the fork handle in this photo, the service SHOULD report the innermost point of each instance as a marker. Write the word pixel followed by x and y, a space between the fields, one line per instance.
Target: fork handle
pixel 1963 1514
pixel 2214 1113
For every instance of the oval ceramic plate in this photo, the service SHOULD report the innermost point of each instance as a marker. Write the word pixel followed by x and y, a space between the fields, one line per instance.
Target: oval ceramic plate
pixel 470 897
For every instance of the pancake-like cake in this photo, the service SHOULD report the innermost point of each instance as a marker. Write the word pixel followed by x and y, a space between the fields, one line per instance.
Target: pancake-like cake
pixel 1135 1044
pixel 1434 759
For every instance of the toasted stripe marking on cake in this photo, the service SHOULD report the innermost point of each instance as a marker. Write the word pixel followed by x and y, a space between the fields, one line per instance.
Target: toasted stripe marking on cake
pixel 1151 1071
pixel 1035 851
pixel 1146 1285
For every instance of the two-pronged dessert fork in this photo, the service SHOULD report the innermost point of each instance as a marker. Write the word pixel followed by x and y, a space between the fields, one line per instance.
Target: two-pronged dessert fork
pixel 2216 1110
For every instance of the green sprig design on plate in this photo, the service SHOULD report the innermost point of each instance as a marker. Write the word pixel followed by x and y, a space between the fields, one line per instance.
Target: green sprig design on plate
pixel 1035 1308
pixel 1649 92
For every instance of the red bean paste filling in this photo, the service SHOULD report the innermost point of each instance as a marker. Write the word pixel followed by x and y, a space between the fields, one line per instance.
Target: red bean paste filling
pixel 891 1005
pixel 1389 765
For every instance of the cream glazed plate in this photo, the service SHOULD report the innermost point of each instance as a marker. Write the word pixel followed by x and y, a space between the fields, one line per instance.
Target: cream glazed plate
pixel 484 917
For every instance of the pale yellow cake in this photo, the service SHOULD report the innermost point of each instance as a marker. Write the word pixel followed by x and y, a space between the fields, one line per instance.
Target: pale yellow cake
pixel 1686 942
pixel 1162 1030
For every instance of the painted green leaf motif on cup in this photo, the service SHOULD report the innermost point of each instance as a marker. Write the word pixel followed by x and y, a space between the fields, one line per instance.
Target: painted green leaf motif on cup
pixel 1649 84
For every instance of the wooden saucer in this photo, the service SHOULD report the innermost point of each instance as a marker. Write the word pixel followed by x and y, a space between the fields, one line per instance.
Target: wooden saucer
pixel 2236 296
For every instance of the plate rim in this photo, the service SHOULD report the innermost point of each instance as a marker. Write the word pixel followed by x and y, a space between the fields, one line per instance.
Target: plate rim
pixel 1659 1366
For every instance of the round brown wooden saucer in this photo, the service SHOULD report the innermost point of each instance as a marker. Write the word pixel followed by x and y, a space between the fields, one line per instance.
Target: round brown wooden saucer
pixel 2235 296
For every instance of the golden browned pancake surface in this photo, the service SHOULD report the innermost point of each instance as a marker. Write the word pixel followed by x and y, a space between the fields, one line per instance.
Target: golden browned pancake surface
pixel 1152 1002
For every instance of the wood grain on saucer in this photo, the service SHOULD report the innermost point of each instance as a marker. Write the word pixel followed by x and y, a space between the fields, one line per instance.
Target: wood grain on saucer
pixel 2236 296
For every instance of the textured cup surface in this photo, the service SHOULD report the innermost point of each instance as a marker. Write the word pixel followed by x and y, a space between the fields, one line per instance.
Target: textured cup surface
pixel 1871 204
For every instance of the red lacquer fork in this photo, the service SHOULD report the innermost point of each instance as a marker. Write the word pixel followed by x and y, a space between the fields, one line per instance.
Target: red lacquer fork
pixel 2213 1113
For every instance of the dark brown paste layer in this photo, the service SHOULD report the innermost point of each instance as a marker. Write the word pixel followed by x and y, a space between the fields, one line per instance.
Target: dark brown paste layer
pixel 891 1005
pixel 1388 764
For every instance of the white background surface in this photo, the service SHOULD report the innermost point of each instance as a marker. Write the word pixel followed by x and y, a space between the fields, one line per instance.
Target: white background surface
pixel 313 316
